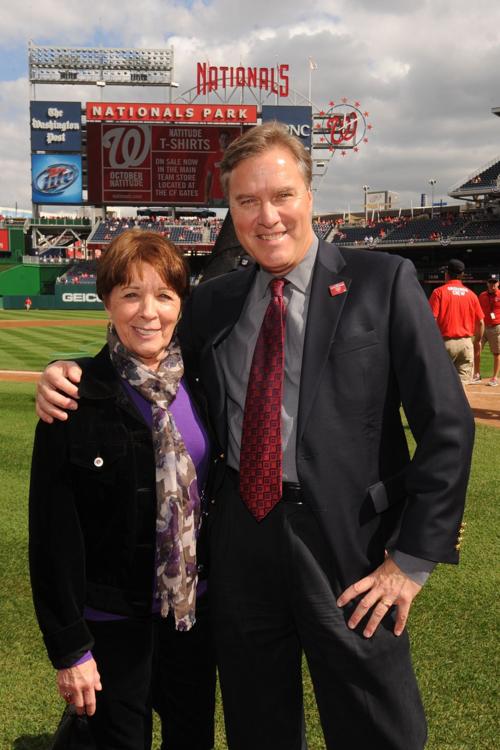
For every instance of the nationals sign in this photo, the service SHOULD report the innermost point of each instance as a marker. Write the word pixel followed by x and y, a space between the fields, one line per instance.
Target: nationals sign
pixel 138 164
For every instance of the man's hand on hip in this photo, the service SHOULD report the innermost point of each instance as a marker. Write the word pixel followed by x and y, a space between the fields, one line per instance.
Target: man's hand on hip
pixel 57 389
pixel 387 586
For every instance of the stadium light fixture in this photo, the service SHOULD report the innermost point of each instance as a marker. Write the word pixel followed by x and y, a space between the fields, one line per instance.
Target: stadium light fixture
pixel 365 191
pixel 117 66
pixel 432 182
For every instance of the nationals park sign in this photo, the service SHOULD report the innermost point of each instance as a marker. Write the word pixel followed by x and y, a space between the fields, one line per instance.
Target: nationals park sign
pixel 174 113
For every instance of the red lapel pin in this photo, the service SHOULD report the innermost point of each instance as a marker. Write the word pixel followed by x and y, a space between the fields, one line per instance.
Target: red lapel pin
pixel 339 288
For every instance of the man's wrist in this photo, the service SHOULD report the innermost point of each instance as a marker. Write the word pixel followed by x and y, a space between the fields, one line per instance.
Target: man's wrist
pixel 415 568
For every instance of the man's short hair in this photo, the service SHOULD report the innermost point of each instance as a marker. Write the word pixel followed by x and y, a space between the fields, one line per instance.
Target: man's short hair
pixel 492 278
pixel 455 267
pixel 259 139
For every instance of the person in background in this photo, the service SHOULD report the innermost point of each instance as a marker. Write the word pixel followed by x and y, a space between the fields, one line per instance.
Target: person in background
pixel 115 507
pixel 27 303
pixel 214 194
pixel 490 305
pixel 459 317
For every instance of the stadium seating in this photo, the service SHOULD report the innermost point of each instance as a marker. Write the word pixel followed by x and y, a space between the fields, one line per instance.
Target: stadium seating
pixel 83 272
pixel 424 229
pixel 323 228
pixel 488 178
pixel 190 231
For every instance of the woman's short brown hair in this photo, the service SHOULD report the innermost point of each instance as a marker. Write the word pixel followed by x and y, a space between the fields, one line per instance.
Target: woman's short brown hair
pixel 134 247
pixel 259 139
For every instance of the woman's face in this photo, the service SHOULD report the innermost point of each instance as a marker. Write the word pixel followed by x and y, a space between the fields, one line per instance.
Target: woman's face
pixel 144 314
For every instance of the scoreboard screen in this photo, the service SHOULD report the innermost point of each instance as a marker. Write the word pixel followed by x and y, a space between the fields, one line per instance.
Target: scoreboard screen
pixel 162 164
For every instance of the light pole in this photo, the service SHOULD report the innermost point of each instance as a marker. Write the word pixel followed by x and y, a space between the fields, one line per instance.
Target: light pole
pixel 365 191
pixel 432 182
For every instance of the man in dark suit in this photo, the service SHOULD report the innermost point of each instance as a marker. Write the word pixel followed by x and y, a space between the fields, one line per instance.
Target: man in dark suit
pixel 331 566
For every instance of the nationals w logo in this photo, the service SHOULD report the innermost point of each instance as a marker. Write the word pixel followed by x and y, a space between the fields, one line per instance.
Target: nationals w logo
pixel 128 146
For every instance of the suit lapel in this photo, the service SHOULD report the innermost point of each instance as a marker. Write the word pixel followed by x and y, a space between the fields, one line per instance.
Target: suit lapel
pixel 227 309
pixel 322 321
pixel 230 303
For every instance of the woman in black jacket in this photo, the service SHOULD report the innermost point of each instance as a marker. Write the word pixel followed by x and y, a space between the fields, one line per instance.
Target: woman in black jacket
pixel 115 508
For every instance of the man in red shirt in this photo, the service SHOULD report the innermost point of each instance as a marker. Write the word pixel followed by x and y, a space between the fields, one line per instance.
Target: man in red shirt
pixel 490 305
pixel 459 317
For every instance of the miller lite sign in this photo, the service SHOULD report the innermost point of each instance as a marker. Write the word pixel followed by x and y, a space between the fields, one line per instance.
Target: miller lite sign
pixel 56 178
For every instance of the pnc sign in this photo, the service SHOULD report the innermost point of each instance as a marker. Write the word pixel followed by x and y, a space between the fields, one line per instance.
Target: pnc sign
pixel 297 119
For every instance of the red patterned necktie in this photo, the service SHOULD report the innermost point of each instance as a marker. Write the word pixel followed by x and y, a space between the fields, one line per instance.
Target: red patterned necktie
pixel 260 456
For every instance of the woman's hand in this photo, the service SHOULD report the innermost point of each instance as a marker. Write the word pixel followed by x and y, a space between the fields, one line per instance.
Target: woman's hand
pixel 57 389
pixel 78 685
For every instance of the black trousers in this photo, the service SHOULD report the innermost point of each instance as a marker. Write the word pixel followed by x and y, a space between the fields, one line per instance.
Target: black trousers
pixel 273 597
pixel 146 664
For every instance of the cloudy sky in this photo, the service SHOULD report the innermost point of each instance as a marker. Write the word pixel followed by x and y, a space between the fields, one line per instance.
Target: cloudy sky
pixel 427 72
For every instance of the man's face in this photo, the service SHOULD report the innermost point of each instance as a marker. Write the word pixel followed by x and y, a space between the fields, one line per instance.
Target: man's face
pixel 492 286
pixel 271 207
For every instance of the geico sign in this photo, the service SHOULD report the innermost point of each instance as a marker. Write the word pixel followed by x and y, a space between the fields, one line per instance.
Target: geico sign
pixel 80 297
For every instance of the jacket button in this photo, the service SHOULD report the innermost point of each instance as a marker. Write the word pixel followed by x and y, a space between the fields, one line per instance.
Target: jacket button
pixel 221 455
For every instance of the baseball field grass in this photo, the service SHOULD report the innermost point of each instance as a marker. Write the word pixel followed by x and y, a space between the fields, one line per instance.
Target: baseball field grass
pixel 28 340
pixel 453 624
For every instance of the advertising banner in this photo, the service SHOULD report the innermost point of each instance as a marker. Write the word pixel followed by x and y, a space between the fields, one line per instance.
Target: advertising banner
pixel 297 119
pixel 4 241
pixel 76 297
pixel 377 199
pixel 232 114
pixel 156 164
pixel 56 126
pixel 56 179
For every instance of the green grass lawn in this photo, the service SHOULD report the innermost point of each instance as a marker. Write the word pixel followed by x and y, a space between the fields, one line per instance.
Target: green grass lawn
pixel 453 622
pixel 51 314
pixel 31 348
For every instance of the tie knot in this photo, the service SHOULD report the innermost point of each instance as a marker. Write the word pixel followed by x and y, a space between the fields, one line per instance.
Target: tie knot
pixel 277 286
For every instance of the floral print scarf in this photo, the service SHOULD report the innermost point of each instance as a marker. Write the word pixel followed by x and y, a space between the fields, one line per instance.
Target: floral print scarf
pixel 178 502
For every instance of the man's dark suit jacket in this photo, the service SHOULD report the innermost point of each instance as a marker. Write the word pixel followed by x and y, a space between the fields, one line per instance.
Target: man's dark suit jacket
pixel 367 350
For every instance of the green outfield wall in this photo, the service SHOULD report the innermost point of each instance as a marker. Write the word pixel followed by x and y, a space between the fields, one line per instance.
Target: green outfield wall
pixel 66 297
pixel 17 245
pixel 28 279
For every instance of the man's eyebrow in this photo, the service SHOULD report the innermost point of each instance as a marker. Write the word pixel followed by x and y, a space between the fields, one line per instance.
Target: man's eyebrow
pixel 239 196
pixel 282 189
